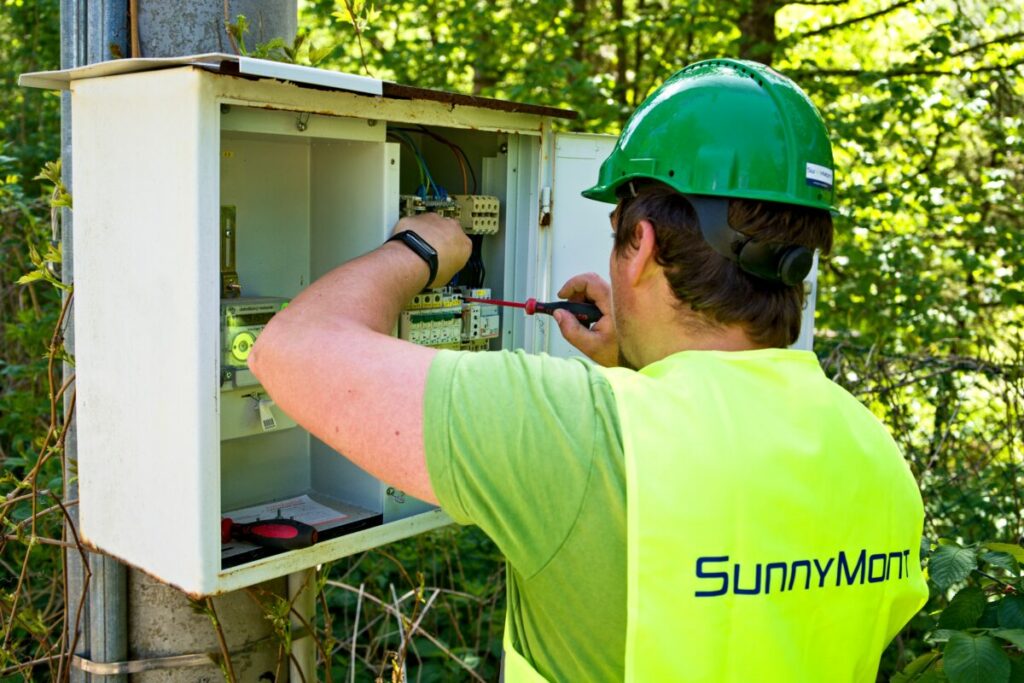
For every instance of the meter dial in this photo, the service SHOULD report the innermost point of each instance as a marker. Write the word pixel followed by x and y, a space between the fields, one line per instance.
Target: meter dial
pixel 241 345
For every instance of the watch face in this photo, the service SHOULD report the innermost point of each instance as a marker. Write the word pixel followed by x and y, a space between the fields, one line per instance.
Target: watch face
pixel 421 244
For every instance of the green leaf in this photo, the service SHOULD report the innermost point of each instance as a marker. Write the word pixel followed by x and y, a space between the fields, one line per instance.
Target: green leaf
pixel 990 617
pixel 1011 612
pixel 1002 560
pixel 950 564
pixel 319 54
pixel 964 609
pixel 1013 636
pixel 34 276
pixel 1017 670
pixel 1009 548
pixel 916 667
pixel 975 659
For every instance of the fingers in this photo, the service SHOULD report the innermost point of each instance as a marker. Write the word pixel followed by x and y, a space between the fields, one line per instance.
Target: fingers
pixel 598 343
pixel 572 330
pixel 588 287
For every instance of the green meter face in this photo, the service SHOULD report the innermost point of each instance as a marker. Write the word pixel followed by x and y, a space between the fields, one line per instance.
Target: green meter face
pixel 242 320
pixel 241 345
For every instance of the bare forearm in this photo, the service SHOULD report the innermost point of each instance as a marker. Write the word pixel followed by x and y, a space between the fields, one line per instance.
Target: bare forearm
pixel 367 292
pixel 329 360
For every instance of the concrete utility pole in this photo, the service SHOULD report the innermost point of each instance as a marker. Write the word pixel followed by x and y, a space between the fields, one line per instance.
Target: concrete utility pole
pixel 132 624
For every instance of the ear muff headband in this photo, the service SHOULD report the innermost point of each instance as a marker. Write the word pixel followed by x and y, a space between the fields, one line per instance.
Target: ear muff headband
pixel 785 263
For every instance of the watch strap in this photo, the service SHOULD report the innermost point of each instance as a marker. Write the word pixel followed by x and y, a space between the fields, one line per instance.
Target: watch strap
pixel 421 248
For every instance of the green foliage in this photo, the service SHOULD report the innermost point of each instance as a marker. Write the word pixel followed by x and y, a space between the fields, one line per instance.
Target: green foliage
pixel 919 310
pixel 975 659
pixel 978 635
pixel 459 636
pixel 301 51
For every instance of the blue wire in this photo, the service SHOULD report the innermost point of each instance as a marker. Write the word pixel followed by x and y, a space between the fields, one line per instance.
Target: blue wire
pixel 438 191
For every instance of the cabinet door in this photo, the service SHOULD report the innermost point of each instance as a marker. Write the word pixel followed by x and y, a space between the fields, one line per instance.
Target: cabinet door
pixel 581 236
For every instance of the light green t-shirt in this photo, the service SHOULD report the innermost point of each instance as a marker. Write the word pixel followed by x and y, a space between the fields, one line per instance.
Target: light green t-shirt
pixel 528 448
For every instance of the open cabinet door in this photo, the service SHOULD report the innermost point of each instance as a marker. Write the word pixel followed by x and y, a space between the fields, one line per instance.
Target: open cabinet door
pixel 581 235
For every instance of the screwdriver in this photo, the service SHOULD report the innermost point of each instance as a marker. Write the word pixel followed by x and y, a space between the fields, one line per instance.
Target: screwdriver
pixel 587 314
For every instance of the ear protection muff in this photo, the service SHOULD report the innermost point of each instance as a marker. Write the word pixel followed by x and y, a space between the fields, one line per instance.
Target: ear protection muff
pixel 785 263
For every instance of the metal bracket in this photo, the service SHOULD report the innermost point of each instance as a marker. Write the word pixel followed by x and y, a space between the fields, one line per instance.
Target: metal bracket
pixel 196 659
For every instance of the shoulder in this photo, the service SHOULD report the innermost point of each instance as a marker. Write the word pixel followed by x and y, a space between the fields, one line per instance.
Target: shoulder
pixel 537 373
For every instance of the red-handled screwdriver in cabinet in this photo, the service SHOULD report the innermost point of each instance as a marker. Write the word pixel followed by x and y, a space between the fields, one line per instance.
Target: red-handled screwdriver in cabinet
pixel 276 534
pixel 586 313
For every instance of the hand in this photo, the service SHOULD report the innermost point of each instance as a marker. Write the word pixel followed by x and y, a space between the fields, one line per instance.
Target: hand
pixel 599 343
pixel 446 236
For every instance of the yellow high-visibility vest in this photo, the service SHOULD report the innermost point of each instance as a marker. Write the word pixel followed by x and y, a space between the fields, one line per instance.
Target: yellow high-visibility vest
pixel 773 529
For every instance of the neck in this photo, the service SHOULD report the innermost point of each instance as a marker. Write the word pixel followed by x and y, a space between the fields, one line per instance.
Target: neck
pixel 688 331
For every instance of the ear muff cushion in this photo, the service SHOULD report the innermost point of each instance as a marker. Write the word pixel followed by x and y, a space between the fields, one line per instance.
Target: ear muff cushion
pixel 777 263
pixel 794 265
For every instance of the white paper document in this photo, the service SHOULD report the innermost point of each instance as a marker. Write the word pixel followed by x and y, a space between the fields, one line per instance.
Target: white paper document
pixel 300 508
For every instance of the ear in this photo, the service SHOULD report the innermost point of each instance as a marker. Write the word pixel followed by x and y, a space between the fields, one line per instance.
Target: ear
pixel 640 261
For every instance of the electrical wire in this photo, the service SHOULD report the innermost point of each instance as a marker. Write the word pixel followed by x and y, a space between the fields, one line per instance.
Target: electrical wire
pixel 427 184
pixel 459 153
pixel 477 256
pixel 419 166
pixel 457 150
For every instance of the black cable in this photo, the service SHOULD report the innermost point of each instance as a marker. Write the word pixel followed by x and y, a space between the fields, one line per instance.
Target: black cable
pixel 477 258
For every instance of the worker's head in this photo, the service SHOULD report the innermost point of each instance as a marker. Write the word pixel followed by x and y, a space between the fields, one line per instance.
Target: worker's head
pixel 728 168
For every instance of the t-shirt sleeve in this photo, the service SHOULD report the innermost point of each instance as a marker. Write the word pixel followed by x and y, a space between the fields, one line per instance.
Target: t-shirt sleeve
pixel 509 440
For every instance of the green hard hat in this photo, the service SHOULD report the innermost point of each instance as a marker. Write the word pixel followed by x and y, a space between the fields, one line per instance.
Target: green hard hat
pixel 725 128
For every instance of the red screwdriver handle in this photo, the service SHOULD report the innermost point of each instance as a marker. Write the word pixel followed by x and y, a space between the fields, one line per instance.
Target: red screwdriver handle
pixel 276 534
pixel 586 313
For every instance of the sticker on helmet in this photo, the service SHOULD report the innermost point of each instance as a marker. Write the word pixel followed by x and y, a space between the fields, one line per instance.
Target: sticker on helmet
pixel 819 176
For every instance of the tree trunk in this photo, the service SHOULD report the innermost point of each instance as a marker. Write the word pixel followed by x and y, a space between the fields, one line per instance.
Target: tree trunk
pixel 757 30
pixel 621 52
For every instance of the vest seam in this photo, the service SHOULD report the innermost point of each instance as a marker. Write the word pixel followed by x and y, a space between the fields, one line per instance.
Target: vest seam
pixel 586 488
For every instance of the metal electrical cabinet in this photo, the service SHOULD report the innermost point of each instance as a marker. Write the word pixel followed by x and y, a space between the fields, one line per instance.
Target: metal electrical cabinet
pixel 301 163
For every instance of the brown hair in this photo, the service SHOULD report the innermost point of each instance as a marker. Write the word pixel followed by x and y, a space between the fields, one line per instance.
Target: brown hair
pixel 711 284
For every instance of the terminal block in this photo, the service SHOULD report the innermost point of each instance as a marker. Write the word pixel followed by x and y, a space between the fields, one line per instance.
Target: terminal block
pixel 478 214
pixel 412 205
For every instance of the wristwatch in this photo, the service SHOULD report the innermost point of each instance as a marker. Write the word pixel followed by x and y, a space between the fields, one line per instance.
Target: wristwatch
pixel 421 248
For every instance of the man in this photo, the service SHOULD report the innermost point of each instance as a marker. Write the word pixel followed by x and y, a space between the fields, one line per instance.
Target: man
pixel 725 513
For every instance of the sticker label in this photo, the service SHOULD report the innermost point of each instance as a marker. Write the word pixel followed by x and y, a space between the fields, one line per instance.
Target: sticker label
pixel 267 420
pixel 819 176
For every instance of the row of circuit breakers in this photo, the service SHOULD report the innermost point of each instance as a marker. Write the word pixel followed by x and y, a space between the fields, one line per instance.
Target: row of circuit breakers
pixel 440 318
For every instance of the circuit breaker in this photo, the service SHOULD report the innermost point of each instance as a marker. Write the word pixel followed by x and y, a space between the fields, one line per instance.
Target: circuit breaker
pixel 211 190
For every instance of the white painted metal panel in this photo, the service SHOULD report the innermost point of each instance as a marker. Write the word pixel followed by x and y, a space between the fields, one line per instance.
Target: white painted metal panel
pixel 805 341
pixel 151 174
pixel 147 321
pixel 61 79
pixel 296 124
pixel 249 66
pixel 309 75
pixel 580 232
